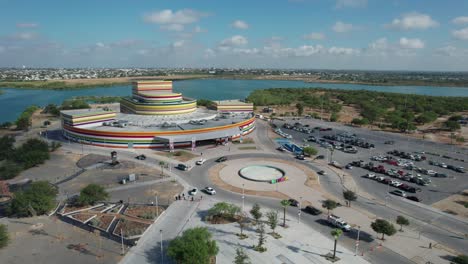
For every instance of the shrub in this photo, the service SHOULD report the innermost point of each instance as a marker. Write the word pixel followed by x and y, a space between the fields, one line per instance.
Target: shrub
pixel 37 199
pixel 92 194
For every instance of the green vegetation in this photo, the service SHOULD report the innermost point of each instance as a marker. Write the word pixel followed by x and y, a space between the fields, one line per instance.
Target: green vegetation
pixel 284 204
pixel 336 233
pixel 349 196
pixel 261 238
pixel 4 237
pixel 272 220
pixel 223 210
pixel 51 109
pixel 74 104
pixel 194 246
pixel 241 257
pixel 394 110
pixel 91 194
pixel 300 109
pixel 37 199
pixel 311 151
pixel 24 120
pixel 460 259
pixel 383 227
pixel 256 212
pixel 402 221
pixel 99 99
pixel 329 205
pixel 28 155
pixel 206 103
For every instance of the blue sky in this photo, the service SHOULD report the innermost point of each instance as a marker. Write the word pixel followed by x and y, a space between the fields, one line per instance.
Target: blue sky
pixel 318 34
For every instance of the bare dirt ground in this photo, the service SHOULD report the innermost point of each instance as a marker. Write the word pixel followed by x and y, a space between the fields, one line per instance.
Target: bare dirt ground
pixel 180 155
pixel 454 204
pixel 166 192
pixel 48 240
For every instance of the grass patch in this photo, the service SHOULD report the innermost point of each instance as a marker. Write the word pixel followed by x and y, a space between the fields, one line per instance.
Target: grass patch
pixel 244 141
pixel 275 235
pixel 180 155
pixel 243 236
pixel 247 148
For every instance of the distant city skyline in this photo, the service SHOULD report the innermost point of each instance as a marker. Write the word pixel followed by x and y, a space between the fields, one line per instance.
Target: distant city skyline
pixel 314 34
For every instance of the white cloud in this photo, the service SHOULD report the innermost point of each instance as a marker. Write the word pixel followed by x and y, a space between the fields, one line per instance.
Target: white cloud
pixel 341 27
pixel 100 45
pixel 27 25
pixel 236 40
pixel 462 20
pixel 350 3
pixel 167 16
pixel 379 45
pixel 414 43
pixel 198 29
pixel 343 51
pixel 239 24
pixel 314 36
pixel 413 21
pixel 25 36
pixel 172 27
pixel 447 51
pixel 461 34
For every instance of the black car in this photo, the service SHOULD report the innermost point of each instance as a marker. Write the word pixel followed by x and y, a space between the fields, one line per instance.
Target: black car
pixel 312 210
pixel 300 157
pixel 320 157
pixel 221 159
pixel 281 149
pixel 413 198
pixel 293 202
pixel 140 157
pixel 390 142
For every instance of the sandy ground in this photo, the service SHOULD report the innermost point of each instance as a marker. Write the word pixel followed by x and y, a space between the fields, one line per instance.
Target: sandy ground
pixel 454 204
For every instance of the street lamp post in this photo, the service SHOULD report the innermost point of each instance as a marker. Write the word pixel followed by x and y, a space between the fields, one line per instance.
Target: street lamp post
pixel 357 241
pixel 161 242
pixel 243 196
pixel 299 211
pixel 388 191
pixel 122 241
pixel 157 206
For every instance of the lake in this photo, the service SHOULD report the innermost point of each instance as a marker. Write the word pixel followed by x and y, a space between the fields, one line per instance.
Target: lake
pixel 14 101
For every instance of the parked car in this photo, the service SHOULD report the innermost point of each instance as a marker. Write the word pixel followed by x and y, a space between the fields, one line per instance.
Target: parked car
pixel 140 157
pixel 312 210
pixel 413 198
pixel 322 172
pixel 210 191
pixel 281 149
pixel 320 157
pixel 300 157
pixel 293 202
pixel 338 222
pixel 398 193
pixel 389 142
pixel 194 191
pixel 200 161
pixel 182 166
pixel 221 159
pixel 349 166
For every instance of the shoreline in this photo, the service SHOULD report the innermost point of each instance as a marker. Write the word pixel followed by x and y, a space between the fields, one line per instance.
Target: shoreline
pixel 71 84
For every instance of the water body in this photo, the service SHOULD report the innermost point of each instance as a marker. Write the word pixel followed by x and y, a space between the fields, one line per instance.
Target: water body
pixel 14 101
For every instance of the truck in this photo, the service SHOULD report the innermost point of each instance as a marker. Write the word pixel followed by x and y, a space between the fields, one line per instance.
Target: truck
pixel 339 223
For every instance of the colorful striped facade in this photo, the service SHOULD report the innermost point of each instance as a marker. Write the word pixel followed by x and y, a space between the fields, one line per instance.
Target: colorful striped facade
pixel 155 139
pixel 87 118
pixel 156 98
pixel 228 106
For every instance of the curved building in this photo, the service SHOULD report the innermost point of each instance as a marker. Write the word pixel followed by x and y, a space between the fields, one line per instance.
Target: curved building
pixel 155 117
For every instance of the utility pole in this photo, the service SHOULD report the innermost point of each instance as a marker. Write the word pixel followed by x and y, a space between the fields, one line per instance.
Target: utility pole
pixel 157 206
pixel 357 241
pixel 243 198
pixel 161 242
pixel 122 240
pixel 299 211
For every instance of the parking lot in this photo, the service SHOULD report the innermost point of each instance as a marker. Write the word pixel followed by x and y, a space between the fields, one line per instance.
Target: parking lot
pixel 435 169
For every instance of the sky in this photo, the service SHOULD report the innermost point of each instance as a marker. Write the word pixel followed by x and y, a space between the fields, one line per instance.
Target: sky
pixel 308 34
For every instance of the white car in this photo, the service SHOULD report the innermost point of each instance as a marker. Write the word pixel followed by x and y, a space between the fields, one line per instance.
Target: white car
pixel 210 190
pixel 370 175
pixel 193 192
pixel 200 161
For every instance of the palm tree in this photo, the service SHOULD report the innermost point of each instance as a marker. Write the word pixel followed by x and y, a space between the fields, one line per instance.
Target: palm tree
pixel 285 203
pixel 336 233
pixel 162 163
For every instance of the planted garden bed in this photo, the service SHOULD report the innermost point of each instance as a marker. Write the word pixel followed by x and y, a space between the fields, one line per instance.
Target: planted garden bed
pixel 102 222
pixel 144 211
pixel 82 217
pixel 130 228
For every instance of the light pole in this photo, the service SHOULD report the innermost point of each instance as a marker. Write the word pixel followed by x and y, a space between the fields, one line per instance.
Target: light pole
pixel 388 191
pixel 357 241
pixel 299 211
pixel 123 247
pixel 157 206
pixel 161 242
pixel 243 196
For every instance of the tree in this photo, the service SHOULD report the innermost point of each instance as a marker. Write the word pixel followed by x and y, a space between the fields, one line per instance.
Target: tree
pixel 91 194
pixel 9 170
pixel 223 210
pixel 336 233
pixel 401 220
pixel 37 199
pixel 349 196
pixel 383 227
pixel 272 217
pixel 162 164
pixel 334 117
pixel 241 257
pixel 452 125
pixel 300 109
pixel 329 205
pixel 256 213
pixel 194 246
pixel 4 237
pixel 285 203
pixel 261 237
pixel 6 146
pixel 242 221
pixel 311 151
pixel 460 259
